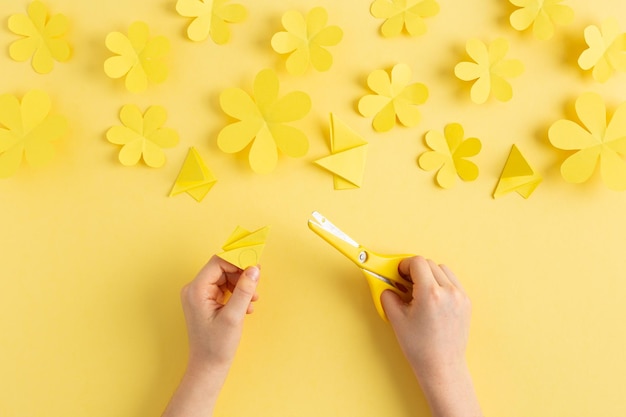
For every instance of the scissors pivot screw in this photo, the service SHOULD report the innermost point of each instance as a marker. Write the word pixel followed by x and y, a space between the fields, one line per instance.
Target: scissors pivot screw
pixel 363 257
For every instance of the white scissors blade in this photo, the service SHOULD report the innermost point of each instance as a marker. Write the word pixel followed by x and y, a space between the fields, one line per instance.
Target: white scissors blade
pixel 326 225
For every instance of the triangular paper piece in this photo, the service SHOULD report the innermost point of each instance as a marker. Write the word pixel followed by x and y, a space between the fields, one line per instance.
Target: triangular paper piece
pixel 194 178
pixel 517 175
pixel 342 137
pixel 244 248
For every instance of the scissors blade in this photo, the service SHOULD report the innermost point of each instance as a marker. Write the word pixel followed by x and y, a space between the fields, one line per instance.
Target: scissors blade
pixel 325 224
pixel 383 279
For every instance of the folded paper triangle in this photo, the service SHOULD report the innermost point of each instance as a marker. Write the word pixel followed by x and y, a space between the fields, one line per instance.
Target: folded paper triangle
pixel 244 248
pixel 518 176
pixel 194 178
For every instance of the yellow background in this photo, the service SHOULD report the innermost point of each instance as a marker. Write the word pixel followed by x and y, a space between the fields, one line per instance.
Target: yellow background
pixel 93 254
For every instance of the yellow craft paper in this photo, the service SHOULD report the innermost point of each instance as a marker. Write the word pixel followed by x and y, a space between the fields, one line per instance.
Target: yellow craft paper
pixel 211 17
pixel 517 176
pixel 195 178
pixel 543 15
pixel 606 52
pixel 407 14
pixel 244 248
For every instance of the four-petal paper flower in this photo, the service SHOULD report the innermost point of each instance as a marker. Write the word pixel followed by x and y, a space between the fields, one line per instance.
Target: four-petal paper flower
pixel 305 39
pixel 490 70
pixel 262 119
pixel 542 15
pixel 211 17
pixel 394 97
pixel 448 154
pixel 139 57
pixel 26 130
pixel 143 136
pixel 43 38
pixel 596 142
pixel 403 13
pixel 606 52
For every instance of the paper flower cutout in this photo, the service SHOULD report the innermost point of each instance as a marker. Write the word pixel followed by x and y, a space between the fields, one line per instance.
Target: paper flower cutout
pixel 143 136
pixel 140 59
pixel 517 176
pixel 262 121
pixel 490 70
pixel 43 38
pixel 305 39
pixel 399 14
pixel 448 154
pixel 244 248
pixel 347 161
pixel 542 15
pixel 606 52
pixel 596 142
pixel 211 17
pixel 195 178
pixel 394 98
pixel 27 130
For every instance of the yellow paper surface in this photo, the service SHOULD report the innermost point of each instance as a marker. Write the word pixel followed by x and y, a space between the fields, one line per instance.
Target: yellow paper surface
pixel 541 15
pixel 403 14
pixel 195 178
pixel 517 176
pixel 606 50
pixel 244 248
pixel 211 17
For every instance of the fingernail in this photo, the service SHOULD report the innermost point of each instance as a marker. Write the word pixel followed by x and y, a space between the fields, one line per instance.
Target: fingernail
pixel 253 273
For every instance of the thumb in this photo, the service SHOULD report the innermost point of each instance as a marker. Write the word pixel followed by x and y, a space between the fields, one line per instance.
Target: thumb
pixel 393 305
pixel 238 303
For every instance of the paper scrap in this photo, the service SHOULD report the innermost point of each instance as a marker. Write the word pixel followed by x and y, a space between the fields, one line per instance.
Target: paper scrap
pixel 195 178
pixel 244 248
pixel 211 18
pixel 606 52
pixel 517 176
pixel 542 15
pixel 399 14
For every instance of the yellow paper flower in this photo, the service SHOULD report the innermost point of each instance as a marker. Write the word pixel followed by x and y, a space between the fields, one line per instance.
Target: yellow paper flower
pixel 394 98
pixel 43 38
pixel 448 154
pixel 399 14
pixel 211 17
pixel 606 52
pixel 542 15
pixel 490 70
pixel 143 135
pixel 305 39
pixel 262 119
pixel 139 58
pixel 27 130
pixel 596 142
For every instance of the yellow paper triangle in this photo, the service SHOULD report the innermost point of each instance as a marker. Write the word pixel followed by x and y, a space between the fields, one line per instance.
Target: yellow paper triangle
pixel 244 248
pixel 342 137
pixel 194 178
pixel 518 176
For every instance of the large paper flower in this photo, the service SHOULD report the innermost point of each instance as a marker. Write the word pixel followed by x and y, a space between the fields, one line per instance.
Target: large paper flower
pixel 596 142
pixel 139 57
pixel 542 15
pixel 490 70
pixel 394 98
pixel 211 17
pixel 305 39
pixel 27 130
pixel 606 52
pixel 262 119
pixel 448 154
pixel 43 38
pixel 143 135
pixel 403 13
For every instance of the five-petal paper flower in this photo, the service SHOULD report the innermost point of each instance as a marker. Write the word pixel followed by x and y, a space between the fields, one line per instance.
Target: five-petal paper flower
pixel 26 130
pixel 211 17
pixel 606 52
pixel 43 38
pixel 596 142
pixel 262 119
pixel 448 154
pixel 490 70
pixel 394 97
pixel 542 15
pixel 305 39
pixel 399 14
pixel 139 57
pixel 143 136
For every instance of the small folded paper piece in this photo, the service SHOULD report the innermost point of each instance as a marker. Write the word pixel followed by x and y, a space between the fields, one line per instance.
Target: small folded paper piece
pixel 243 248
pixel 194 178
pixel 349 152
pixel 518 176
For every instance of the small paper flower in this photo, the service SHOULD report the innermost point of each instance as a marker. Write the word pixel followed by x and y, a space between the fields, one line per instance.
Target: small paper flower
pixel 27 130
pixel 305 39
pixel 448 154
pixel 400 14
pixel 542 15
pixel 596 142
pixel 211 18
pixel 490 70
pixel 139 57
pixel 394 98
pixel 143 135
pixel 43 38
pixel 262 119
pixel 606 52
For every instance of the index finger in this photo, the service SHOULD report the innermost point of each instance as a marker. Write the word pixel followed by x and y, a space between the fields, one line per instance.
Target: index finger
pixel 419 271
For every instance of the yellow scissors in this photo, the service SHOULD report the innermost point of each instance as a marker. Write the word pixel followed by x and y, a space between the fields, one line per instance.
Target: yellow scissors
pixel 381 271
